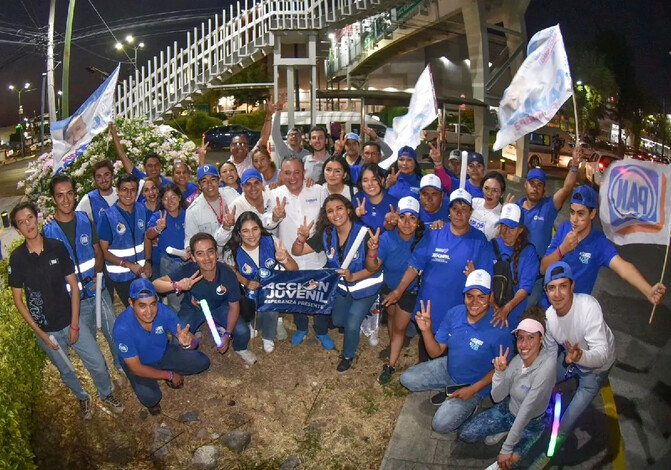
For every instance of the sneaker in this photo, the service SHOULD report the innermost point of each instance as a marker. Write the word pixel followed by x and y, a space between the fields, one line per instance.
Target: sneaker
pixel 438 398
pixel 113 403
pixel 252 332
pixel 345 364
pixel 385 376
pixel 155 410
pixel 298 337
pixel 327 342
pixel 494 439
pixel 281 331
pixel 384 354
pixel 374 338
pixel 268 345
pixel 85 407
pixel 247 356
pixel 494 466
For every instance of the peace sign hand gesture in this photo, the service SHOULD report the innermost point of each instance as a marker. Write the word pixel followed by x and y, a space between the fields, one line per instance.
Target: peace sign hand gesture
pixel 501 362
pixel 360 207
pixel 573 353
pixel 391 218
pixel 374 240
pixel 392 178
pixel 161 222
pixel 202 150
pixel 339 145
pixel 184 336
pixel 423 317
pixel 304 230
pixel 281 253
pixel 229 217
pixel 435 156
pixel 188 282
pixel 510 198
pixel 279 211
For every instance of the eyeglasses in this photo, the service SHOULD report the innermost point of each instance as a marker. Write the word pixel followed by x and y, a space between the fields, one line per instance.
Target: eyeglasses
pixel 173 198
pixel 487 189
pixel 239 144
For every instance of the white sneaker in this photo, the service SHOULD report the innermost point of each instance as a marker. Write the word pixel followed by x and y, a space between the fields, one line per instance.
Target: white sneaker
pixel 268 345
pixel 374 338
pixel 494 439
pixel 494 466
pixel 252 332
pixel 281 331
pixel 247 356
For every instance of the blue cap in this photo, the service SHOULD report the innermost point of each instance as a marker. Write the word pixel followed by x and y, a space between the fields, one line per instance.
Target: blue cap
pixel 352 136
pixel 479 279
pixel 558 270
pixel 407 151
pixel 141 289
pixel 408 204
pixel 476 157
pixel 586 196
pixel 536 174
pixel 207 170
pixel 250 173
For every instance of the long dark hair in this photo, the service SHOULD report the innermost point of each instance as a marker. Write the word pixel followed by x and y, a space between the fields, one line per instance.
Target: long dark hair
pixel 347 174
pixel 175 189
pixel 377 173
pixel 237 181
pixel 323 224
pixel 419 233
pixel 236 239
pixel 498 177
pixel 521 242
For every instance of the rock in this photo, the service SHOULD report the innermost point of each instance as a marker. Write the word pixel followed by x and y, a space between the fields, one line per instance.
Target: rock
pixel 203 433
pixel 236 440
pixel 162 436
pixel 206 457
pixel 231 403
pixel 292 462
pixel 189 416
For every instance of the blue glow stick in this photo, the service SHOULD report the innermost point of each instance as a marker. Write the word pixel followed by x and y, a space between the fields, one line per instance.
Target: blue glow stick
pixel 210 322
pixel 555 425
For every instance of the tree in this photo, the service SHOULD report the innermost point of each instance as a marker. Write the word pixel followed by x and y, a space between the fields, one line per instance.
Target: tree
pixel 255 73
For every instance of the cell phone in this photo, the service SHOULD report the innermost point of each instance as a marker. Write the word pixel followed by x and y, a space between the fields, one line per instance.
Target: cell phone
pixel 450 389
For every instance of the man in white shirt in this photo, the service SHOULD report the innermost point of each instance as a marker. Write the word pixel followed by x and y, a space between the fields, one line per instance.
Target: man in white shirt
pixel 104 196
pixel 302 207
pixel 241 156
pixel 575 323
pixel 256 198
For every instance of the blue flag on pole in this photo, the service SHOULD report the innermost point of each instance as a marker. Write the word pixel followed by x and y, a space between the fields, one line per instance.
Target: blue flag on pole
pixel 310 291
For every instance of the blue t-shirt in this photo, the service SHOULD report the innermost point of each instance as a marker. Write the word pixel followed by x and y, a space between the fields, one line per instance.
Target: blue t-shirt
pixel 539 220
pixel 526 273
pixel 443 213
pixel 471 347
pixel 588 257
pixel 442 258
pixel 172 235
pixel 133 340
pixel 395 253
pixel 375 213
pixel 142 175
pixel 223 289
pixel 406 185
pixel 474 191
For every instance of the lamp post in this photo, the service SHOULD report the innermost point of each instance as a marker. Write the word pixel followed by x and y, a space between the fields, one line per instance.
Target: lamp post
pixel 129 41
pixel 26 88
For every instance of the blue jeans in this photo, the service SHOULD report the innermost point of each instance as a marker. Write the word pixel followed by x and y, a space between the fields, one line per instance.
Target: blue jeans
pixel 89 352
pixel 589 385
pixel 349 312
pixel 320 325
pixel 266 322
pixel 87 318
pixel 432 375
pixel 498 419
pixel 176 359
pixel 166 266
pixel 189 315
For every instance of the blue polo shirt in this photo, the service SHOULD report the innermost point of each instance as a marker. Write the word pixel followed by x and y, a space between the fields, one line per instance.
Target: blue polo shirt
pixel 588 257
pixel 527 271
pixel 395 253
pixel 539 220
pixel 471 347
pixel 441 256
pixel 133 340
pixel 474 191
pixel 443 213
pixel 172 235
pixel 224 289
pixel 375 213
pixel 406 185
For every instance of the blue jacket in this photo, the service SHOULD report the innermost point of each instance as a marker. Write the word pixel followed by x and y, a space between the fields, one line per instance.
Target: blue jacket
pixel 128 242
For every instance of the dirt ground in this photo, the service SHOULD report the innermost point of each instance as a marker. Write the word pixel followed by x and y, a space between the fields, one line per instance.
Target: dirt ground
pixel 292 401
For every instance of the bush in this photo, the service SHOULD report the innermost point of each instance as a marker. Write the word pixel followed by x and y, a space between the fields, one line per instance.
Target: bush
pixel 21 363
pixel 253 120
pixel 199 122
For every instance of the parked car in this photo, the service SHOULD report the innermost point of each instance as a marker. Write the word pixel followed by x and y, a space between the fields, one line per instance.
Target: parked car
pixel 596 164
pixel 540 148
pixel 221 136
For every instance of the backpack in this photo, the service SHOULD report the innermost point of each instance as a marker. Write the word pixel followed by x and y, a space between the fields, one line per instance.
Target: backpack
pixel 504 279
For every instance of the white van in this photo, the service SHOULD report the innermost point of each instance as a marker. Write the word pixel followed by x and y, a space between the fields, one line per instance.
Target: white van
pixel 350 121
pixel 540 148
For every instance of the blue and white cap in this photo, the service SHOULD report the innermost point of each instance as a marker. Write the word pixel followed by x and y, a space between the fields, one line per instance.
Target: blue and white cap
pixel 479 279
pixel 510 215
pixel 205 170
pixel 408 204
pixel 461 194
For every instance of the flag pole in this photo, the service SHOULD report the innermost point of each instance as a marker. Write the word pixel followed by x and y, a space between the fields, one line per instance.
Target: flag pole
pixel 575 112
pixel 661 279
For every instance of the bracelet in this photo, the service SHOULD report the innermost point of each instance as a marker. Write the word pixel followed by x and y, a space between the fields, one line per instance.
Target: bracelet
pixel 298 242
pixel 157 230
pixel 122 263
pixel 74 328
pixel 175 287
pixel 561 255
pixel 226 333
pixel 372 255
pixel 573 169
pixel 171 376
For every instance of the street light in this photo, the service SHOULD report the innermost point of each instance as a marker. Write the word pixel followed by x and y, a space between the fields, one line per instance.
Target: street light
pixel 26 88
pixel 130 40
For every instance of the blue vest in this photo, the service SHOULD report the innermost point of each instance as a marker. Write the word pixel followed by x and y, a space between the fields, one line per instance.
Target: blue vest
pixel 360 289
pixel 85 259
pixel 127 242
pixel 98 205
pixel 248 268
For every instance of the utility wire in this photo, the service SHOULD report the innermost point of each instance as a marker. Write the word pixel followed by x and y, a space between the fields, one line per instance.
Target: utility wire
pixel 110 31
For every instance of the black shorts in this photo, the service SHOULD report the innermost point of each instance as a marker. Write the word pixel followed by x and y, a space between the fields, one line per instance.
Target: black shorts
pixel 408 299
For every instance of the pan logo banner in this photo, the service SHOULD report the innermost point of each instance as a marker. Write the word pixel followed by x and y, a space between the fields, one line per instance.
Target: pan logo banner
pixel 311 291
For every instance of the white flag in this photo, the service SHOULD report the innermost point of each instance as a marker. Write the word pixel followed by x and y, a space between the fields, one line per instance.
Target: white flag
pixel 540 87
pixel 71 136
pixel 635 202
pixel 422 111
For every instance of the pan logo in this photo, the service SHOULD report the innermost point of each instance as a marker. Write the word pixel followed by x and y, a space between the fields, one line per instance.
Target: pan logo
pixel 635 197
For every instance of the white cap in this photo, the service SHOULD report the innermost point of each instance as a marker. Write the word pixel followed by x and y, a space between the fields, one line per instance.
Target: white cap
pixel 408 204
pixel 454 155
pixel 460 194
pixel 510 215
pixel 430 181
pixel 479 279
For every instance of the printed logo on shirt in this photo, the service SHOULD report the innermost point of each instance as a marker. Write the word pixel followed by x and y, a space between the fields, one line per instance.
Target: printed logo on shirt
pixel 356 255
pixel 414 190
pixel 123 348
pixel 84 239
pixel 101 211
pixel 270 263
pixel 221 290
pixel 331 253
pixel 525 387
pixel 53 262
pixel 246 269
pixel 140 224
pixel 440 255
pixel 539 217
pixel 476 343
pixel 120 228
pixel 585 257
pixel 477 224
pixel 264 273
pixel 159 330
pixel 308 201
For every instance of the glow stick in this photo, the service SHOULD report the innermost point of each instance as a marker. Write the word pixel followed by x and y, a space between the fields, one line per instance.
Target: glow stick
pixel 210 322
pixel 176 252
pixel 62 353
pixel 355 247
pixel 464 165
pixel 555 426
pixel 99 289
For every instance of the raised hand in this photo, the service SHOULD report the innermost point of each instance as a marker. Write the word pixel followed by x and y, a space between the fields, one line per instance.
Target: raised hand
pixel 279 105
pixel 423 317
pixel 573 353
pixel 501 362
pixel 279 211
pixel 202 150
pixel 184 336
pixel 370 133
pixel 392 178
pixel 303 232
pixel 188 282
pixel 339 145
pixel 570 242
pixel 360 210
pixel 391 218
pixel 434 154
pixel 162 222
pixel 470 267
pixel 374 240
pixel 229 218
pixel 510 198
pixel 281 254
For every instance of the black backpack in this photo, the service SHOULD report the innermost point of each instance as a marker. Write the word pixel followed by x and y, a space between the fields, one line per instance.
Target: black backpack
pixel 504 277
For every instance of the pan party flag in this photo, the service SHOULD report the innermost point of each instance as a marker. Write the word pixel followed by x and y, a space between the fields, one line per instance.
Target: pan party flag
pixel 309 291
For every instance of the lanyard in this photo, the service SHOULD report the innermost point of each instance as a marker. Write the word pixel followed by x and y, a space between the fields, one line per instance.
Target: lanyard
pixel 221 210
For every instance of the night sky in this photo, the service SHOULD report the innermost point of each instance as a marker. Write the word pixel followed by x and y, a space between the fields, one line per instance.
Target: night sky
pixel 645 23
